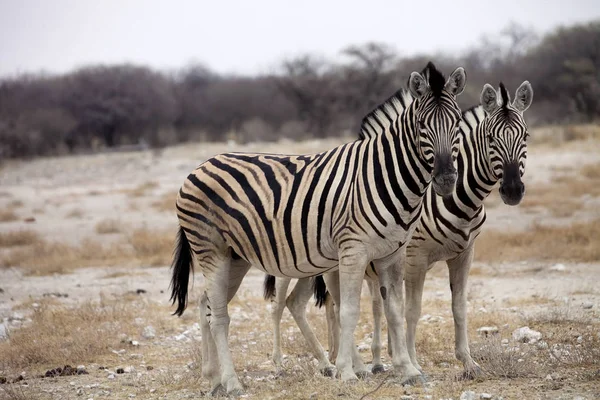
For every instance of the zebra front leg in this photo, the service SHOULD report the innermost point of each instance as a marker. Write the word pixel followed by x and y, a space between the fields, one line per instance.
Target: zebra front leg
pixel 333 286
pixel 277 308
pixel 414 279
pixel 296 303
pixel 391 288
pixel 376 343
pixel 459 274
pixel 353 263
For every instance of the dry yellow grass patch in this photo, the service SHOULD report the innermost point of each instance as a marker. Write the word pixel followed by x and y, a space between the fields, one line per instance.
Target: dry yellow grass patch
pixel 141 247
pixel 75 213
pixel 18 238
pixel 143 189
pixel 8 215
pixel 166 203
pixel 62 335
pixel 565 194
pixel 107 226
pixel 558 134
pixel 579 242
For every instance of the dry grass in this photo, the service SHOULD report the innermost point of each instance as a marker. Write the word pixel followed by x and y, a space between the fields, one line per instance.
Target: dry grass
pixel 578 242
pixel 166 203
pixel 143 189
pixel 566 194
pixel 505 361
pixel 557 134
pixel 62 335
pixel 8 215
pixel 76 213
pixel 18 238
pixel 141 247
pixel 107 226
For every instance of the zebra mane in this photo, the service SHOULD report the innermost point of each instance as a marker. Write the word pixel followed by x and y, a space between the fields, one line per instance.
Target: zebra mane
pixel 505 96
pixel 384 115
pixel 435 78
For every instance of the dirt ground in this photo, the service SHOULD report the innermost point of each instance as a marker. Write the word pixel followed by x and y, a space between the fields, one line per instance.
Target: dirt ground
pixel 67 199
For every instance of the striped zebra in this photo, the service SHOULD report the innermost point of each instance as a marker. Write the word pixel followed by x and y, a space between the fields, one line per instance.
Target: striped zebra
pixel 493 149
pixel 300 216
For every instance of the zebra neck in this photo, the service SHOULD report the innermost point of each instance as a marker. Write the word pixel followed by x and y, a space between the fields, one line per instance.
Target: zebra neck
pixel 475 180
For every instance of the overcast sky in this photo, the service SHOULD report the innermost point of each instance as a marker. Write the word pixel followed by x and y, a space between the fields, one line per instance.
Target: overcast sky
pixel 251 36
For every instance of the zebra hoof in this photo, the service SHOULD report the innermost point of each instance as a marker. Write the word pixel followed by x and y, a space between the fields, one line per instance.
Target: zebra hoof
pixel 377 369
pixel 328 372
pixel 217 391
pixel 414 380
pixel 471 374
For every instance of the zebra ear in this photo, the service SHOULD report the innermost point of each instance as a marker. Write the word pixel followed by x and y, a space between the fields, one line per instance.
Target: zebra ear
pixel 417 85
pixel 457 81
pixel 489 98
pixel 523 96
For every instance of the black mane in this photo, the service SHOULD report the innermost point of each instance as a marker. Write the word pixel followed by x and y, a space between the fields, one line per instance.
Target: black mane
pixel 504 95
pixel 436 79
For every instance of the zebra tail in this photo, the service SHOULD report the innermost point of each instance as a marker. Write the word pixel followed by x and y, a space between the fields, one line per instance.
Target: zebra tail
pixel 182 266
pixel 269 287
pixel 320 291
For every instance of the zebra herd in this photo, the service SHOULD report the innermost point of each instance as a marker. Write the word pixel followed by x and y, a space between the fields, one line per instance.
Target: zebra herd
pixel 407 193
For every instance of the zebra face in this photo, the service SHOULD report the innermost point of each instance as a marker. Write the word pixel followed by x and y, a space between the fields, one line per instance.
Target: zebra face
pixel 436 120
pixel 506 138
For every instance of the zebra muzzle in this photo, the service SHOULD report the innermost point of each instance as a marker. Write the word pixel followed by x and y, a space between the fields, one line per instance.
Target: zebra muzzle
pixel 444 175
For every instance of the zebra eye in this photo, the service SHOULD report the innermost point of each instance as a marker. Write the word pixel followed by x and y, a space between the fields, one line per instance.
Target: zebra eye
pixel 491 138
pixel 422 125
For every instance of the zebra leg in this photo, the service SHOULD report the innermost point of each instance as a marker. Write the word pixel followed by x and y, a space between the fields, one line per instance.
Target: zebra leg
pixel 390 274
pixel 376 343
pixel 414 280
pixel 210 358
pixel 222 282
pixel 353 263
pixel 333 327
pixel 296 303
pixel 277 307
pixel 459 274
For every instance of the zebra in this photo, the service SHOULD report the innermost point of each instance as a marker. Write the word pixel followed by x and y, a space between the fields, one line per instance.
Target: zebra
pixel 493 149
pixel 300 216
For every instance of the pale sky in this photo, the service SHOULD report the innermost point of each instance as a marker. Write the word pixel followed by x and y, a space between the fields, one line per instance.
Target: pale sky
pixel 248 37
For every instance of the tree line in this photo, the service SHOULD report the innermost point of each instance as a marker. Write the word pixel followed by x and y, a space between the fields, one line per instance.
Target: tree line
pixel 99 107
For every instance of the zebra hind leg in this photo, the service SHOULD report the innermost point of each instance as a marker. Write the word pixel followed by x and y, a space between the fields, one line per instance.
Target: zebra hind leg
pixel 277 308
pixel 377 312
pixel 222 281
pixel 296 303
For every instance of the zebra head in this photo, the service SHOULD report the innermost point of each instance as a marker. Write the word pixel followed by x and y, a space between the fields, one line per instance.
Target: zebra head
pixel 435 120
pixel 506 138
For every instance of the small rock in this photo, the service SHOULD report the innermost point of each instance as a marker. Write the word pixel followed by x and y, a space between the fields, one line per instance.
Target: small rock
pixel 444 364
pixel 468 395
pixel 482 310
pixel 541 345
pixel 314 396
pixel 128 370
pixel 486 331
pixel 72 383
pixel 149 332
pixel 579 339
pixel 504 341
pixel 111 376
pixel 3 332
pixel 558 267
pixel 485 396
pixel 587 305
pixel 152 390
pixel 548 377
pixel 16 317
pixel 363 347
pixel 406 397
pixel 526 335
pixel 135 343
